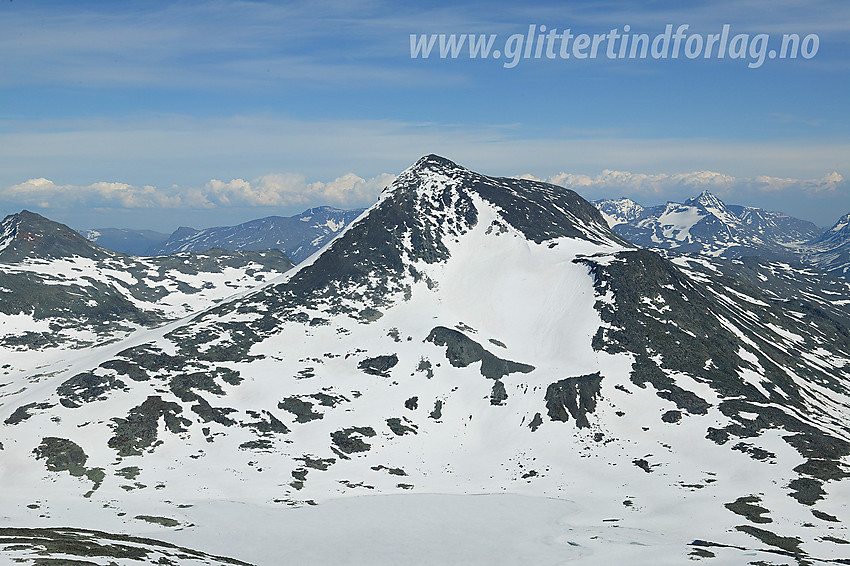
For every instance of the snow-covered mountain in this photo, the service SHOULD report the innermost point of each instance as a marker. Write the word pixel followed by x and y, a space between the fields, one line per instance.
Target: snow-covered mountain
pixel 299 236
pixel 59 291
pixel 466 335
pixel 620 211
pixel 705 225
pixel 126 241
pixel 831 251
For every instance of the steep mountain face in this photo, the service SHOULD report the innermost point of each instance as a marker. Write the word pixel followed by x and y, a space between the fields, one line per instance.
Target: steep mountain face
pixel 299 236
pixel 126 241
pixel 831 251
pixel 468 334
pixel 30 235
pixel 705 225
pixel 61 291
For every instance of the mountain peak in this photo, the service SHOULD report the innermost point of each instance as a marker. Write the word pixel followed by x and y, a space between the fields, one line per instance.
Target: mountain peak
pixel 706 199
pixel 619 211
pixel 435 162
pixel 31 220
pixel 706 225
pixel 31 235
pixel 424 167
pixel 541 211
pixel 433 211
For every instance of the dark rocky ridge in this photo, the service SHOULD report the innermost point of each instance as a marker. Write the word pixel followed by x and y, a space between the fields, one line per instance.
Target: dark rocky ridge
pixel 691 339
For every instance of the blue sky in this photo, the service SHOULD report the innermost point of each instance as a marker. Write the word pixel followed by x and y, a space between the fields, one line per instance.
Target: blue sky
pixel 160 114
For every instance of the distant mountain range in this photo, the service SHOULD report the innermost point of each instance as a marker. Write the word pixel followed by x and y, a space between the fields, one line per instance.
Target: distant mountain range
pixel 707 226
pixel 298 236
pixel 467 334
pixel 703 225
pixel 126 241
pixel 59 290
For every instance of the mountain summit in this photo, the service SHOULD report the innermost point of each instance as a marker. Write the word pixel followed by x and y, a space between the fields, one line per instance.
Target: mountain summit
pixel 706 225
pixel 466 335
pixel 30 235
pixel 538 210
pixel 706 199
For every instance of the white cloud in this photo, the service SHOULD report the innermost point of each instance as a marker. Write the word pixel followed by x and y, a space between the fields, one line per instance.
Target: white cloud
pixel 168 161
pixel 351 191
pixel 281 189
pixel 290 189
pixel 828 183
pixel 624 183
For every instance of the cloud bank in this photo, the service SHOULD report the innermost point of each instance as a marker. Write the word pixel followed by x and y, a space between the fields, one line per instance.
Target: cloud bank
pixel 623 183
pixel 283 190
pixel 352 191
